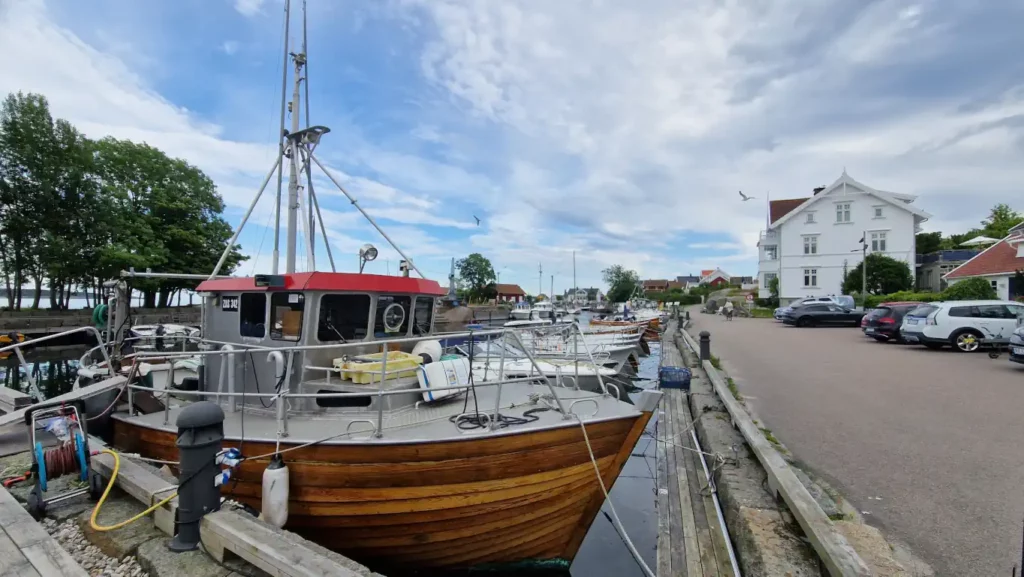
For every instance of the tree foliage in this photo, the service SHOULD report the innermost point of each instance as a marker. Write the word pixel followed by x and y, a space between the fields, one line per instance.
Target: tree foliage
pixel 75 212
pixel 997 225
pixel 885 275
pixel 928 242
pixel 622 283
pixel 969 289
pixel 477 274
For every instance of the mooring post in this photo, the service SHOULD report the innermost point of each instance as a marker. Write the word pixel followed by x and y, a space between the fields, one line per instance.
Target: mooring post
pixel 200 439
pixel 705 346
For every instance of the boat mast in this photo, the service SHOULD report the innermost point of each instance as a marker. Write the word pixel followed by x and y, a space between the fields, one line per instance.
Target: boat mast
pixel 574 287
pixel 540 279
pixel 281 140
pixel 298 59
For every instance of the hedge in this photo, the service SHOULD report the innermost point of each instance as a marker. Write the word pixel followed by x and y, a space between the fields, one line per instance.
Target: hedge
pixel 904 296
pixel 970 289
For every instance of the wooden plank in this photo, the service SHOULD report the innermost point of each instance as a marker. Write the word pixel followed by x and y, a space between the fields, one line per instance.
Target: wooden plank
pixel 12 400
pixel 689 529
pixel 694 473
pixel 147 487
pixel 263 547
pixel 679 553
pixel 664 538
pixel 839 558
pixel 36 546
pixel 12 562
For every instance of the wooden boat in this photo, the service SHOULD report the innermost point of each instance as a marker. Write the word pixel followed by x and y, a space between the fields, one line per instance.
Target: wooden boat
pixel 425 494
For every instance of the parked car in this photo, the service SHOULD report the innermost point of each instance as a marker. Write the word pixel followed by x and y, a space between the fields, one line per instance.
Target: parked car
pixel 964 325
pixel 883 322
pixel 806 301
pixel 1017 345
pixel 822 314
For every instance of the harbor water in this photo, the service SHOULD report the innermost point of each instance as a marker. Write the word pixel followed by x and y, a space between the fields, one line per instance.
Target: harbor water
pixel 603 552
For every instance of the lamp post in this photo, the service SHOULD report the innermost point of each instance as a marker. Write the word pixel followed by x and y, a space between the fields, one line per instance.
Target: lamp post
pixel 864 269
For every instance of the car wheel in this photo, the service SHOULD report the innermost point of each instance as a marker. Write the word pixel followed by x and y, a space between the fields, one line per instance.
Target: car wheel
pixel 967 341
pixel 803 323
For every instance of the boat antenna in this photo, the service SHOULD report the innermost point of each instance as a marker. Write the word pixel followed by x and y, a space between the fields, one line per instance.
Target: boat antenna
pixel 296 148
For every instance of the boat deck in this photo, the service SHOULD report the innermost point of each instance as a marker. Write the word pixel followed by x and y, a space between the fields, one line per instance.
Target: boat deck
pixel 427 422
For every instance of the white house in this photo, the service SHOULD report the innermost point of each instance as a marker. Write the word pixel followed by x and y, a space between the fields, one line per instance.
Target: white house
pixel 810 243
pixel 997 264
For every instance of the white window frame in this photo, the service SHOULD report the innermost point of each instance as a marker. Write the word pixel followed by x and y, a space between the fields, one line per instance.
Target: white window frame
pixel 995 284
pixel 771 252
pixel 810 278
pixel 810 217
pixel 810 244
pixel 844 212
pixel 879 241
pixel 878 211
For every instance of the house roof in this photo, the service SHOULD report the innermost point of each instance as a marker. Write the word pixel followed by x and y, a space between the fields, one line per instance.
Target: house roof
pixel 1000 258
pixel 780 208
pixel 510 289
pixel 845 179
pixel 675 284
pixel 688 278
pixel 655 283
pixel 705 273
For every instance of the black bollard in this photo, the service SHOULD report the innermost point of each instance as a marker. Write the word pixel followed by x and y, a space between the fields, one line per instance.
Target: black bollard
pixel 200 438
pixel 705 346
pixel 687 315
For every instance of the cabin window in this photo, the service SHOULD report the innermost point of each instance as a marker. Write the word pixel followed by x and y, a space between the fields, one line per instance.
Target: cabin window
pixel 252 315
pixel 286 316
pixel 343 318
pixel 392 316
pixel 422 315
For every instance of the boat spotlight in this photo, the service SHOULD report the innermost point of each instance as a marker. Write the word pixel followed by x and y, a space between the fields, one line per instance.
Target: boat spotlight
pixel 367 253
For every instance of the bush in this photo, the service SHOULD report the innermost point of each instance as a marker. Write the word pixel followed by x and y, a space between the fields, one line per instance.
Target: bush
pixel 768 303
pixel 970 289
pixel 904 296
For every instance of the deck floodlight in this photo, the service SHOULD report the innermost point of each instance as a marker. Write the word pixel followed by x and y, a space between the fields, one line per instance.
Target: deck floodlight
pixel 367 253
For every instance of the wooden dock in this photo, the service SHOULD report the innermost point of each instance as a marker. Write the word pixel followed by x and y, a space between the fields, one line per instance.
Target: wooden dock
pixel 690 538
pixel 26 549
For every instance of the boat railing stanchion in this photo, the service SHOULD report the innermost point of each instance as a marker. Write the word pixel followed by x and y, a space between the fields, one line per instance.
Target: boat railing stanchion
pixel 576 359
pixel 229 358
pixel 597 368
pixel 282 398
pixel 533 364
pixel 501 381
pixel 380 392
pixel 167 389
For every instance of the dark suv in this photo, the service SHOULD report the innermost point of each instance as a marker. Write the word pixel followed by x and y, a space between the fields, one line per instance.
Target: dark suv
pixel 883 323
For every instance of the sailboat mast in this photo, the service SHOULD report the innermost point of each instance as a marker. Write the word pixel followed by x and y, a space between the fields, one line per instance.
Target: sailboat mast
pixel 281 141
pixel 574 287
pixel 540 279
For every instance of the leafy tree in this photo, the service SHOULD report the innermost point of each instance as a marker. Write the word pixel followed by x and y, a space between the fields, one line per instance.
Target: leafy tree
pixel 929 242
pixel 621 283
pixel 1000 220
pixel 976 288
pixel 476 272
pixel 885 275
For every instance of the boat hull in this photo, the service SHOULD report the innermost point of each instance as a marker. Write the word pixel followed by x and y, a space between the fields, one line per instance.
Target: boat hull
pixel 447 504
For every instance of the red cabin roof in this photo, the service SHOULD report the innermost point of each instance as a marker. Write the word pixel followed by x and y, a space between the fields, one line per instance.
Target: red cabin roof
pixel 330 281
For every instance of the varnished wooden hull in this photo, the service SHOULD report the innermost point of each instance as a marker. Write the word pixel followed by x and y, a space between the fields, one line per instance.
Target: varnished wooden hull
pixel 463 503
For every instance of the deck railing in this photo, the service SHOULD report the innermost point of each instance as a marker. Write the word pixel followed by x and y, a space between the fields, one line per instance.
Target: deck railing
pixel 283 359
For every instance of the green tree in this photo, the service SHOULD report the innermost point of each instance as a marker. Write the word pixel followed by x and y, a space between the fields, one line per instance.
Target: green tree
pixel 976 288
pixel 1000 220
pixel 885 275
pixel 476 272
pixel 929 242
pixel 622 283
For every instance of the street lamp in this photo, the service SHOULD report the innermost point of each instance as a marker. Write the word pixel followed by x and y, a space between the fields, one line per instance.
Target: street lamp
pixel 864 268
pixel 367 253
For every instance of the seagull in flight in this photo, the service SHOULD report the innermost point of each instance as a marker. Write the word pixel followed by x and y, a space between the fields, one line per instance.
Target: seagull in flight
pixel 745 197
pixel 477 219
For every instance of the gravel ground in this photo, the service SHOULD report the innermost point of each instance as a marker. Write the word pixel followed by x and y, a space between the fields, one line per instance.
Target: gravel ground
pixel 89 556
pixel 926 443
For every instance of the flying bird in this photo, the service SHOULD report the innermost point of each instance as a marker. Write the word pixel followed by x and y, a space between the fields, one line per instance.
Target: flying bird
pixel 745 197
pixel 477 219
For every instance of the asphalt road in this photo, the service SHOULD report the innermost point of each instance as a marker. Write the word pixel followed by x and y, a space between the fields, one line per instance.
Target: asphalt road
pixel 938 435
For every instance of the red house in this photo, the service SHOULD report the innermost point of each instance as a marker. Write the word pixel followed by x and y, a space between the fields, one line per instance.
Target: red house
pixel 510 293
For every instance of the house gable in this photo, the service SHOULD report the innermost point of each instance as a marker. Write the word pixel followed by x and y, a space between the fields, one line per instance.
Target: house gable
pixel 846 182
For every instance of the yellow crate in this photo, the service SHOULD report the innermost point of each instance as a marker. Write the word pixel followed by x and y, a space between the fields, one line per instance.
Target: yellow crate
pixel 367 369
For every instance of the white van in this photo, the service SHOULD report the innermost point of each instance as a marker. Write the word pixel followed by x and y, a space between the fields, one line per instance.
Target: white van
pixel 963 325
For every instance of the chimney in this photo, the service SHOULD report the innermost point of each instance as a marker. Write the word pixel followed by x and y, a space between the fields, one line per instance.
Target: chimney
pixel 818 189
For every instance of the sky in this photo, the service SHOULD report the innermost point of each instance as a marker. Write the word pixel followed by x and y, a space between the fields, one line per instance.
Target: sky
pixel 618 131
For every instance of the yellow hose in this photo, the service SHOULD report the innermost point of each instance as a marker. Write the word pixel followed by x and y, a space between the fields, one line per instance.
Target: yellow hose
pixel 113 476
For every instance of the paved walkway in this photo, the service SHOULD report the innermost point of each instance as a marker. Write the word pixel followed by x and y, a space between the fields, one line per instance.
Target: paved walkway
pixel 937 435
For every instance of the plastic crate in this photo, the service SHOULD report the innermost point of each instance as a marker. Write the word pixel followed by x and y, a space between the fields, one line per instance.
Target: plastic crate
pixel 674 378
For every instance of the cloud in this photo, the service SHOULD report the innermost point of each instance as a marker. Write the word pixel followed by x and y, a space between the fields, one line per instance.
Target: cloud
pixel 249 8
pixel 230 47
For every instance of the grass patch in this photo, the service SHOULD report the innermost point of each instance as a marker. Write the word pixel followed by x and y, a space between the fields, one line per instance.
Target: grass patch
pixel 840 517
pixel 771 437
pixel 734 389
pixel 762 313
pixel 716 362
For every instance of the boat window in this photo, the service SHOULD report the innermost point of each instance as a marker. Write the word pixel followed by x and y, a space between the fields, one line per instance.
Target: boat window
pixel 343 318
pixel 422 315
pixel 286 316
pixel 392 316
pixel 252 315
